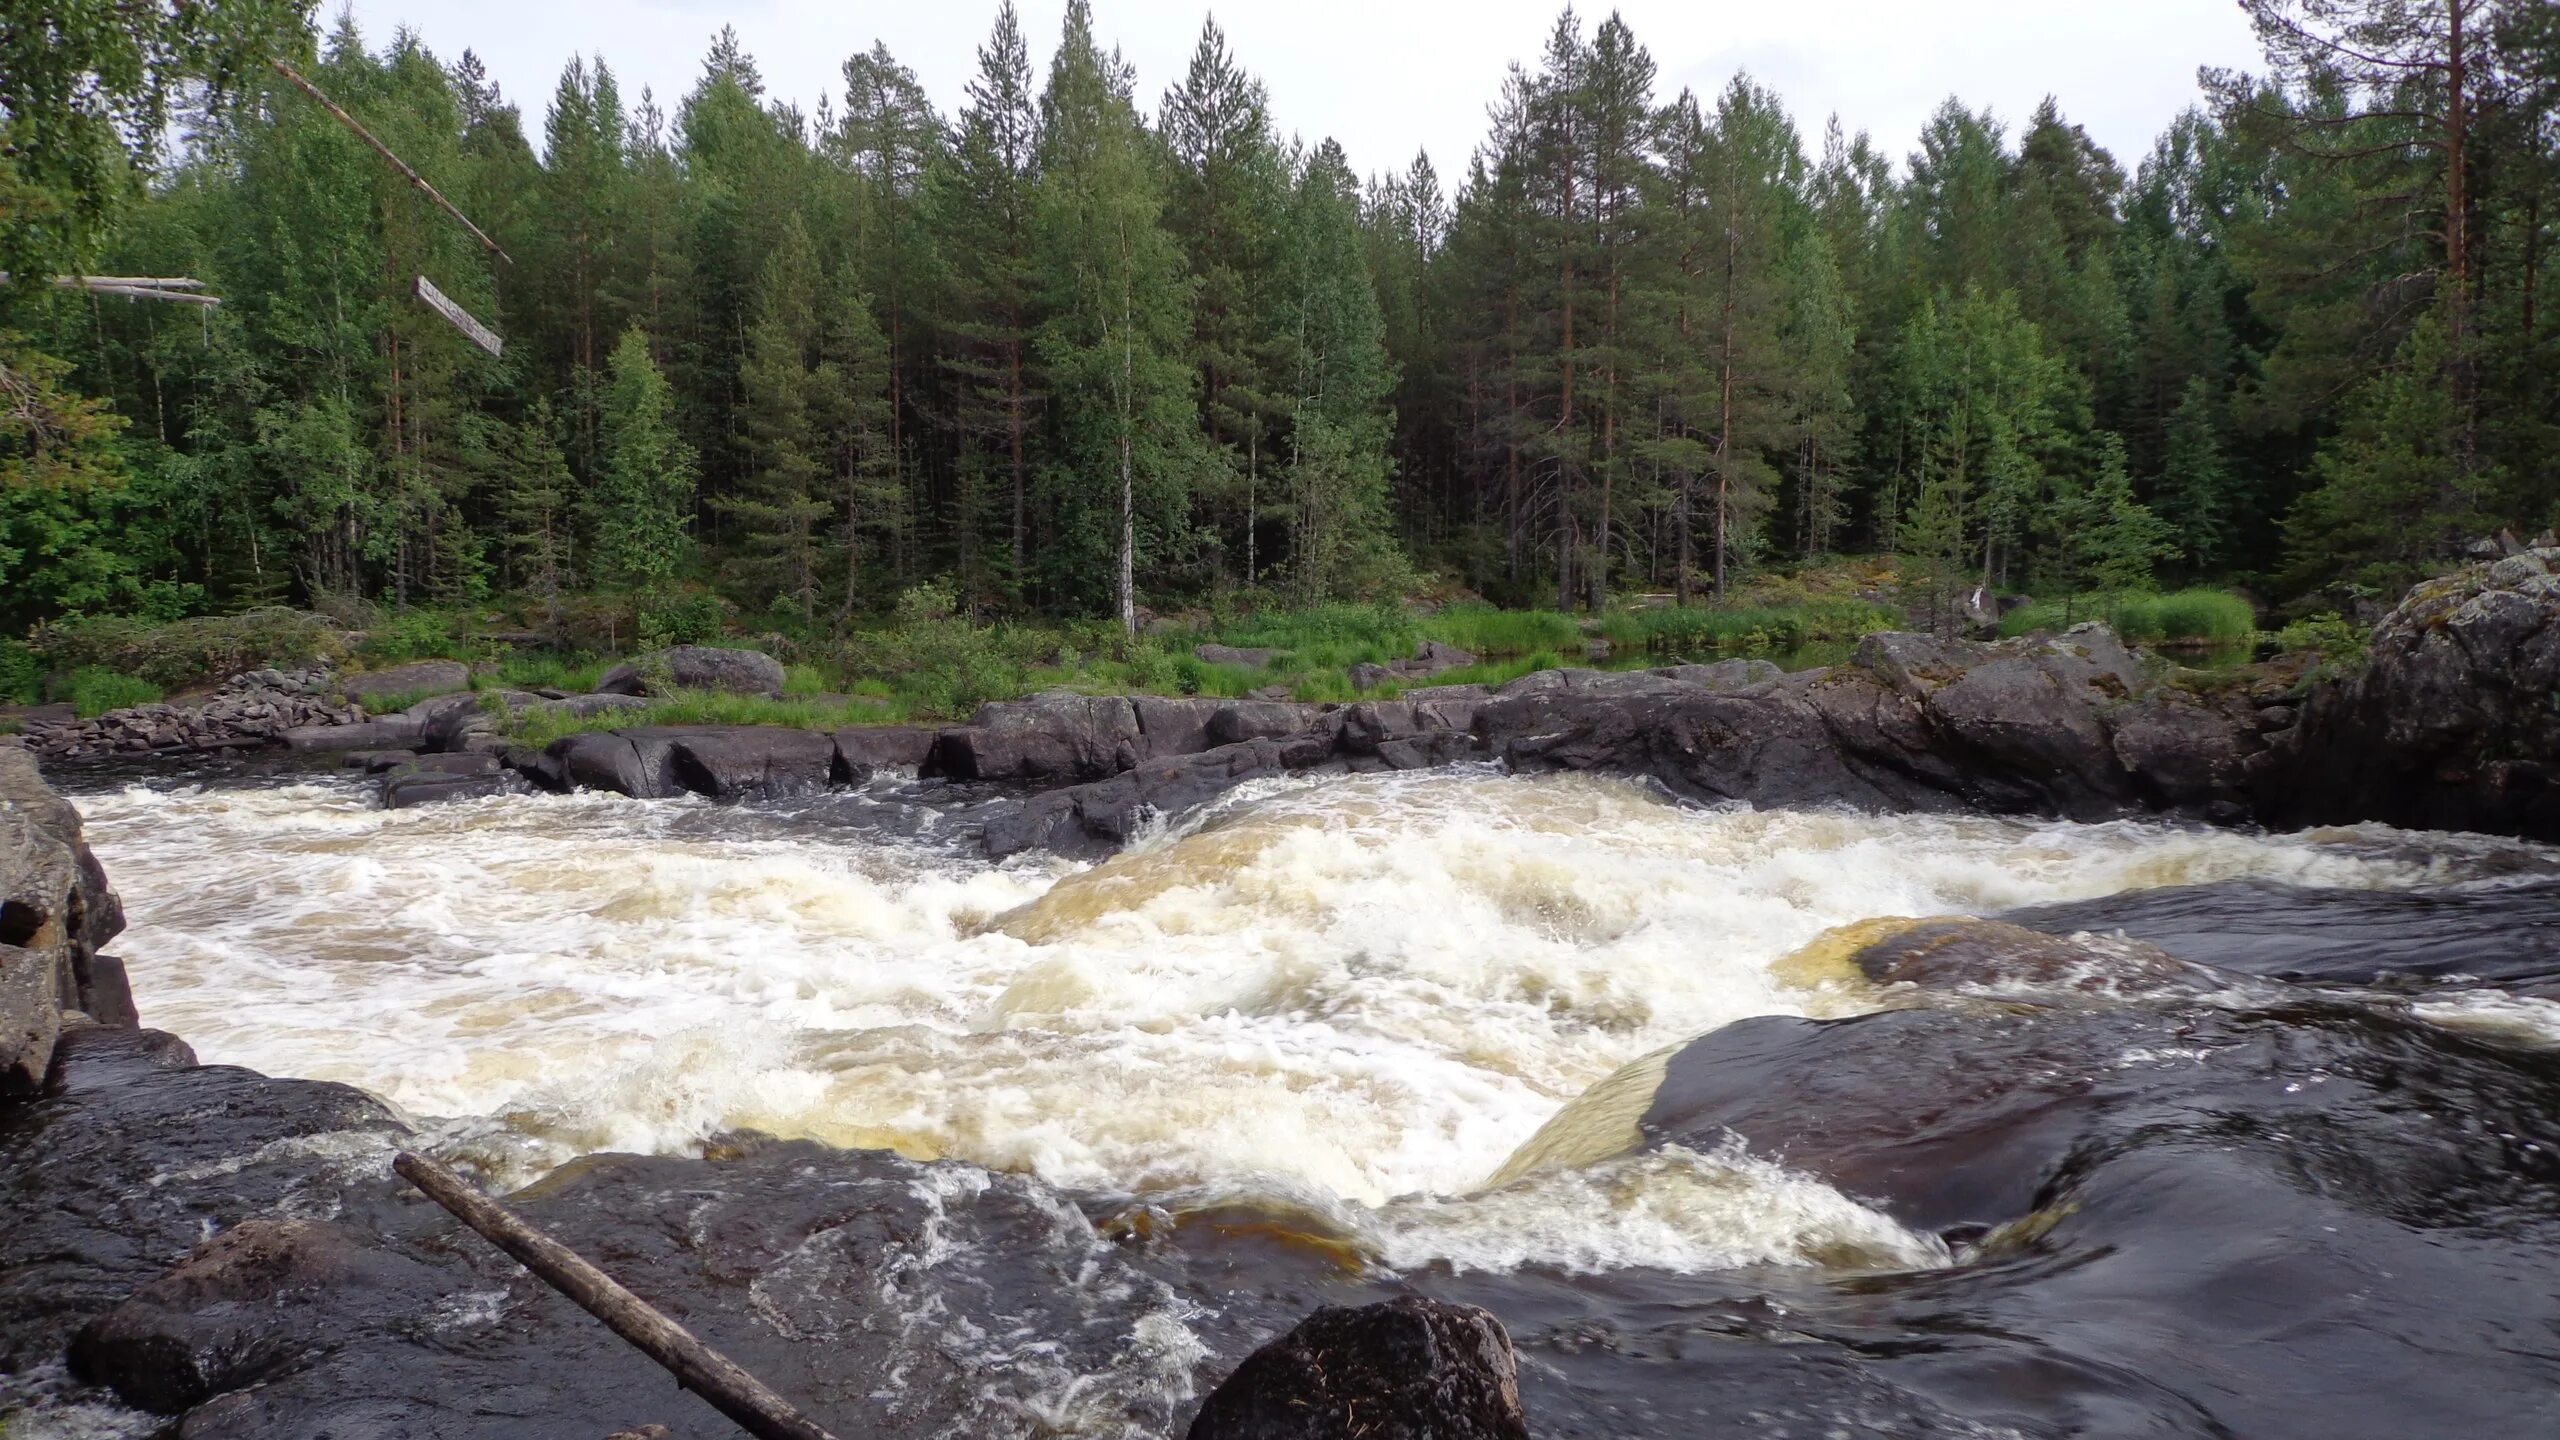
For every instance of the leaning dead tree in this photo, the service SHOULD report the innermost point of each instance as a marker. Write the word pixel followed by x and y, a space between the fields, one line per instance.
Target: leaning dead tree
pixel 135 287
pixel 697 1367
pixel 396 163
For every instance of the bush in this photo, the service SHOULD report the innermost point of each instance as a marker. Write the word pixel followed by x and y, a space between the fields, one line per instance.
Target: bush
pixel 20 676
pixel 401 636
pixel 693 617
pixel 704 707
pixel 2337 647
pixel 93 691
pixel 208 647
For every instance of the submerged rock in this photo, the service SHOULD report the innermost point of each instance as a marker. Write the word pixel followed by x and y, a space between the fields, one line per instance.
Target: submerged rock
pixel 1408 1369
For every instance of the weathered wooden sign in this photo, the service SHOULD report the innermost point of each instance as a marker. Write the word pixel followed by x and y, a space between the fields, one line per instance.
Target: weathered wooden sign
pixel 479 334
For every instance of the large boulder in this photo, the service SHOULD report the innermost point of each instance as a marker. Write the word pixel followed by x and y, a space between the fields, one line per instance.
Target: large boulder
pixel 696 667
pixel 417 679
pixel 2070 726
pixel 1409 1369
pixel 392 732
pixel 57 913
pixel 866 750
pixel 2450 725
pixel 752 761
pixel 1048 738
pixel 1102 815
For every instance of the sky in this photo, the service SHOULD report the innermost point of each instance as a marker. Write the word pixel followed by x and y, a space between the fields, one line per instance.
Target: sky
pixel 1389 77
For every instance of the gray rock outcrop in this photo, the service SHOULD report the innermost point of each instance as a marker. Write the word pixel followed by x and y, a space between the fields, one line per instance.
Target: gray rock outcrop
pixel 696 667
pixel 57 914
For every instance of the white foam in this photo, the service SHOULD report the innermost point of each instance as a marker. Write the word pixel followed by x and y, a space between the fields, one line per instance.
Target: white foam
pixel 1347 991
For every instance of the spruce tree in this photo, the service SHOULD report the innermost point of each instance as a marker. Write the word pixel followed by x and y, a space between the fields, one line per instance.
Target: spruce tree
pixel 775 507
pixel 644 492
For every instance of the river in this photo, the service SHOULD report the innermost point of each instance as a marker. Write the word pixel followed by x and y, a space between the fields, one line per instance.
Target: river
pixel 1346 1000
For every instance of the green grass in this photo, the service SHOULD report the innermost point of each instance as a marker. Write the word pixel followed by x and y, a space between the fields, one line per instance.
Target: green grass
pixel 399 700
pixel 1746 630
pixel 545 670
pixel 1488 631
pixel 800 682
pixel 703 707
pixel 2212 617
pixel 94 690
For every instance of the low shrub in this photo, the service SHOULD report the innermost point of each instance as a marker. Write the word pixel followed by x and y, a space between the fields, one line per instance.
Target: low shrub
pixel 93 691
pixel 690 617
pixel 2336 645
pixel 397 637
pixel 545 670
pixel 184 652
pixel 21 677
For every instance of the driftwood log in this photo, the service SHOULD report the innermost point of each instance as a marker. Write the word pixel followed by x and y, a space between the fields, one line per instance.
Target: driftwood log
pixel 696 1366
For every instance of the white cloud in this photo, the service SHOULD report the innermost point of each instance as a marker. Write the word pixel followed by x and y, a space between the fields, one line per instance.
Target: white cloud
pixel 1386 77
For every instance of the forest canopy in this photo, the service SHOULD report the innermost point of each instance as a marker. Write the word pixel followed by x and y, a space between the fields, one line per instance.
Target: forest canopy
pixel 1082 347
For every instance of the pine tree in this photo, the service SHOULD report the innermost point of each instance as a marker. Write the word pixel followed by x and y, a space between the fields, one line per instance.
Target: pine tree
pixel 1118 323
pixel 533 505
pixel 2114 540
pixel 644 490
pixel 776 506
pixel 853 415
pixel 981 200
pixel 1340 537
pixel 2392 498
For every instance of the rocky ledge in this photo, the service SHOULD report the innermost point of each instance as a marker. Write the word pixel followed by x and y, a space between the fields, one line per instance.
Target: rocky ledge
pixel 2450 726
pixel 57 914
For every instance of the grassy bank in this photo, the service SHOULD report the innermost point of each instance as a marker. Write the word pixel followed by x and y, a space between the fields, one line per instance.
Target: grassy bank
pixel 2190 617
pixel 1746 629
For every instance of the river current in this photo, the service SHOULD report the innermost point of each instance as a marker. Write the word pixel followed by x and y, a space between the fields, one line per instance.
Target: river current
pixel 1350 998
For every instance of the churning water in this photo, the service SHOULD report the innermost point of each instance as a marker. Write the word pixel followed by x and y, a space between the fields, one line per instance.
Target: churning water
pixel 1348 998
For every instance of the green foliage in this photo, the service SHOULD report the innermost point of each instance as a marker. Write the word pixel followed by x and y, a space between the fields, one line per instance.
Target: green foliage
pixel 927 603
pixel 21 678
pixel 644 506
pixel 704 707
pixel 2336 646
pixel 1745 630
pixel 404 635
pixel 2194 616
pixel 544 670
pixel 186 652
pixel 93 691
pixel 1485 630
pixel 686 617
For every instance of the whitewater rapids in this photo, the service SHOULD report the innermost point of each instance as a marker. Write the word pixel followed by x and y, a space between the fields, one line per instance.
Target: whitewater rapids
pixel 1348 999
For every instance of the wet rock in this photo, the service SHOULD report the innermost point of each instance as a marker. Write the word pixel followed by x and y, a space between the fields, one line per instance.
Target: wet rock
pixel 260 1298
pixel 1168 727
pixel 1408 1369
pixel 1051 738
pixel 865 751
pixel 1259 720
pixel 696 667
pixel 2450 725
pixel 1100 816
pixel 619 761
pixel 745 762
pixel 421 677
pixel 56 912
pixel 395 732
pixel 135 1154
pixel 433 779
pixel 2066 726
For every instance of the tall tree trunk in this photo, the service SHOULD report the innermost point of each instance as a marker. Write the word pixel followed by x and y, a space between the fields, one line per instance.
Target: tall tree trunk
pixel 1128 479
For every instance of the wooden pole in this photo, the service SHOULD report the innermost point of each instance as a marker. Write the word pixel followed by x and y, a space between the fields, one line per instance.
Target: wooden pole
pixel 325 103
pixel 696 1366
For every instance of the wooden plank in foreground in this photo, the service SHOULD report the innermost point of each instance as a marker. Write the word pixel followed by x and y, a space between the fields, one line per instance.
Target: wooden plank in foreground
pixel 697 1367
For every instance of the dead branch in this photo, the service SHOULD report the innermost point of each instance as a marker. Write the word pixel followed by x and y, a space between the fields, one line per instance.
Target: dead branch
pixel 697 1367
pixel 325 103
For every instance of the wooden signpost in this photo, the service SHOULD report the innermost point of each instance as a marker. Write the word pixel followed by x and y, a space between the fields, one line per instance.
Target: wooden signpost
pixel 478 333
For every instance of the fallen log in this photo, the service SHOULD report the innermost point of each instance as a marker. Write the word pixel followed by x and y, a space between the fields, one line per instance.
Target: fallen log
pixel 696 1366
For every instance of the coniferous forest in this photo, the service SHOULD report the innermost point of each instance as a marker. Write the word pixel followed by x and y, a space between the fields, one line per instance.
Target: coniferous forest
pixel 1097 343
